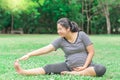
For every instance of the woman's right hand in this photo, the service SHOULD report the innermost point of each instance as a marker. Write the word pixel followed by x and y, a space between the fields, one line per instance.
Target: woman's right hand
pixel 25 57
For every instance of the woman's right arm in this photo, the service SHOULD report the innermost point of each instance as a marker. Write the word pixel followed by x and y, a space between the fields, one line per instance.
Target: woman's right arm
pixel 37 52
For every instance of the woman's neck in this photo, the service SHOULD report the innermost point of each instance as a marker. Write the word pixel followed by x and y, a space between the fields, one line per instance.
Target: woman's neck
pixel 71 37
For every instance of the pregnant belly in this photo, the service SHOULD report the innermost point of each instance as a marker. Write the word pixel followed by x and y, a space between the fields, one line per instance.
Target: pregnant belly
pixel 76 60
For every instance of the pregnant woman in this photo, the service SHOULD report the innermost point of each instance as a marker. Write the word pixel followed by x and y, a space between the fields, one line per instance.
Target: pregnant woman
pixel 78 50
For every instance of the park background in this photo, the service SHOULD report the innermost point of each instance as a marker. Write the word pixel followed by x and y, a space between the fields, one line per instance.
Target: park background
pixel 26 25
pixel 40 16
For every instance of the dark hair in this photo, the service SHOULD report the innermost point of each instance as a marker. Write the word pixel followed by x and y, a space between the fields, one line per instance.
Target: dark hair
pixel 65 22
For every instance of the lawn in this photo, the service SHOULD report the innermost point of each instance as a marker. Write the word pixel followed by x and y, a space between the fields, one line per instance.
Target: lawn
pixel 107 51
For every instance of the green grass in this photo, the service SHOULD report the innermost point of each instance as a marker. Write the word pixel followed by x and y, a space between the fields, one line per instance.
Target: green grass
pixel 107 49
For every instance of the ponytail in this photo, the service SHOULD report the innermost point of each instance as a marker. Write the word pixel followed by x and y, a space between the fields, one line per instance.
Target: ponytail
pixel 65 22
pixel 74 26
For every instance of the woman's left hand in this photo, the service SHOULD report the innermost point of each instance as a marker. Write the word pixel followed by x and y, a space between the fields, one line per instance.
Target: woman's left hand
pixel 79 68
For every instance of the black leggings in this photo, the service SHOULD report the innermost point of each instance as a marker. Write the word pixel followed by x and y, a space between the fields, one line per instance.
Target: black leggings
pixel 59 67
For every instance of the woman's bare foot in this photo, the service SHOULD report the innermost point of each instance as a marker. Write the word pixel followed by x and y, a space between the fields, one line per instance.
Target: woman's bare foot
pixel 17 67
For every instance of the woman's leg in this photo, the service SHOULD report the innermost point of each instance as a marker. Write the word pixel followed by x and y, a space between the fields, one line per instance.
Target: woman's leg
pixel 86 72
pixel 48 69
pixel 34 71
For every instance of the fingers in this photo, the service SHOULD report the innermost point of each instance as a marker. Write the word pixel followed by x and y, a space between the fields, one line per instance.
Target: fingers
pixel 24 57
pixel 78 68
pixel 16 63
pixel 17 60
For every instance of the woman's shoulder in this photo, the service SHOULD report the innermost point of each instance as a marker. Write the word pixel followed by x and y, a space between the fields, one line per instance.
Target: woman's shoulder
pixel 81 33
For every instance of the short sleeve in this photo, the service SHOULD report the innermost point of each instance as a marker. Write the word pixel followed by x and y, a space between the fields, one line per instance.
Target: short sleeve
pixel 85 38
pixel 57 43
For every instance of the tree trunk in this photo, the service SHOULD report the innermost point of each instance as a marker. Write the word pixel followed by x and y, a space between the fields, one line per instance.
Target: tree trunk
pixel 87 7
pixel 107 20
pixel 88 24
pixel 82 15
pixel 106 12
pixel 87 15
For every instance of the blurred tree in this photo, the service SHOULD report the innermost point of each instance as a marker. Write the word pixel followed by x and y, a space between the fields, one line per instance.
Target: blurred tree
pixel 40 16
pixel 17 7
pixel 106 5
pixel 5 19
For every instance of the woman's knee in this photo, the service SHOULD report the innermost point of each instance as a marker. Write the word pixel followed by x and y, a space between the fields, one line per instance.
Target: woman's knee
pixel 99 69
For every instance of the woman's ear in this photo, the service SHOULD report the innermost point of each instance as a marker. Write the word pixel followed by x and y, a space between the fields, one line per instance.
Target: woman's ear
pixel 68 29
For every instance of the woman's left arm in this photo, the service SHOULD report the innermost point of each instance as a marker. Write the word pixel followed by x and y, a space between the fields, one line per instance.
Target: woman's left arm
pixel 91 52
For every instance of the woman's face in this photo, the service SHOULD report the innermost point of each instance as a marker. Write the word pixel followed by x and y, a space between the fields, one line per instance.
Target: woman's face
pixel 62 31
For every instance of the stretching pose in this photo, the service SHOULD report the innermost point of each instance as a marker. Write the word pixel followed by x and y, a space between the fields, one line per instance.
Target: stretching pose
pixel 78 51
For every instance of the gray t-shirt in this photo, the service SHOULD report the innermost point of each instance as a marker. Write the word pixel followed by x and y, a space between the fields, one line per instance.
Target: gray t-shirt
pixel 76 52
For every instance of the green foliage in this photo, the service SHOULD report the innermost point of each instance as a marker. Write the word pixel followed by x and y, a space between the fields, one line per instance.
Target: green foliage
pixel 16 6
pixel 40 16
pixel 24 11
pixel 4 19
pixel 74 13
pixel 115 21
pixel 41 1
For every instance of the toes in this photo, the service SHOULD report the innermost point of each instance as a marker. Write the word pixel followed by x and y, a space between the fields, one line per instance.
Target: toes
pixel 17 66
